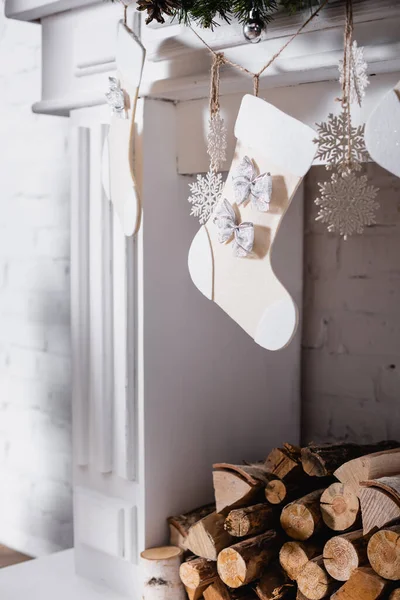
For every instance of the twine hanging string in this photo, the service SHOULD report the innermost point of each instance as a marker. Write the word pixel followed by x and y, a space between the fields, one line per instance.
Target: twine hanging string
pixel 347 74
pixel 221 58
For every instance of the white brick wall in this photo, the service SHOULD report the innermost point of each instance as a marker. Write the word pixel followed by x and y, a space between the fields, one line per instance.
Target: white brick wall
pixel 35 419
pixel 351 331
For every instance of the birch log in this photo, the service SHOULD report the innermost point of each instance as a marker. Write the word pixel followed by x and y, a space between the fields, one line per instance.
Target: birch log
pixel 160 567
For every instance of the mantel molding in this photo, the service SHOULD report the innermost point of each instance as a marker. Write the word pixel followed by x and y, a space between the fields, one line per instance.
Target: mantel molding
pixel 79 46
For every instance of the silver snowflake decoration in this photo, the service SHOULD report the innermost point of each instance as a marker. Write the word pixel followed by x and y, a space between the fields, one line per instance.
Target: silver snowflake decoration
pixel 205 193
pixel 333 143
pixel 116 97
pixel 347 204
pixel 216 141
pixel 358 71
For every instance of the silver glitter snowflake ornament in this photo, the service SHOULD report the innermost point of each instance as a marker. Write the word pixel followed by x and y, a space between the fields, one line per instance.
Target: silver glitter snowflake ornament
pixel 333 144
pixel 205 193
pixel 347 204
pixel 358 70
pixel 216 141
pixel 116 97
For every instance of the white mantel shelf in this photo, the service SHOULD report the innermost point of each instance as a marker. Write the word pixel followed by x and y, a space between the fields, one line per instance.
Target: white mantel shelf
pixel 81 41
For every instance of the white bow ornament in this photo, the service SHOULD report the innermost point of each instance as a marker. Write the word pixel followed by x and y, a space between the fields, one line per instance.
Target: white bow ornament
pixel 247 184
pixel 243 234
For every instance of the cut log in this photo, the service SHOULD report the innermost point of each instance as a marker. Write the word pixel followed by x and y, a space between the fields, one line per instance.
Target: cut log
pixel 302 518
pixel 340 507
pixel 345 553
pixel 395 595
pixel 285 462
pixel 219 591
pixel 377 509
pixel 320 461
pixel 274 585
pixel 207 537
pixel 244 562
pixel 364 584
pixel 198 573
pixel 293 556
pixel 384 552
pixel 195 594
pixel 371 466
pixel 252 520
pixel 314 582
pixel 180 525
pixel 390 485
pixel 239 485
pixel 160 567
pixel 276 491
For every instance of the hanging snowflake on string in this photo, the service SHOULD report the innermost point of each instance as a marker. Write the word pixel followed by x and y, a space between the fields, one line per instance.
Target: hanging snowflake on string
pixel 216 141
pixel 359 78
pixel 333 144
pixel 205 193
pixel 347 204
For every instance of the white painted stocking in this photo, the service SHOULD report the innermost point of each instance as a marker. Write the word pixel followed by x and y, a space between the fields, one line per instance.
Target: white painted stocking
pixel 382 132
pixel 118 169
pixel 246 288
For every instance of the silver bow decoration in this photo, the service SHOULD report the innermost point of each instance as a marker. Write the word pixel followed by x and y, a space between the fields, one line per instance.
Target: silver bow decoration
pixel 247 184
pixel 243 234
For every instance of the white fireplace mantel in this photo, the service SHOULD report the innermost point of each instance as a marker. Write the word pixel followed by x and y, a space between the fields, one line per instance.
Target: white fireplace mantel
pixel 158 395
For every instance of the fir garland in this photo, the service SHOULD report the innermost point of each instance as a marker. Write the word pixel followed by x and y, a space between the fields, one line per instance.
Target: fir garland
pixel 205 12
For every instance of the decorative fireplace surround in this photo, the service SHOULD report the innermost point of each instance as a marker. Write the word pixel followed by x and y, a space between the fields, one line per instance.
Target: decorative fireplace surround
pixel 160 374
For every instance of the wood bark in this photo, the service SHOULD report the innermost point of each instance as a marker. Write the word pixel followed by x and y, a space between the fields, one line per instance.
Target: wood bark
pixel 364 584
pixel 239 485
pixel 245 562
pixel 252 520
pixel 274 585
pixel 377 508
pixel 320 461
pixel 160 568
pixel 198 573
pixel 180 525
pixel 314 582
pixel 207 537
pixel 371 466
pixel 340 507
pixel 293 556
pixel 219 591
pixel 285 462
pixel 302 518
pixel 384 552
pixel 345 553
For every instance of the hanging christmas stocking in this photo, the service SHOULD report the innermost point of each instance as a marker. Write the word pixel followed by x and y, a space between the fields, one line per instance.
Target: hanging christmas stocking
pixel 230 257
pixel 382 132
pixel 118 174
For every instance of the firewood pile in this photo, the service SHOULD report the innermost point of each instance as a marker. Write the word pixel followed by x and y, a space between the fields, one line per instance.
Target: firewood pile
pixel 305 524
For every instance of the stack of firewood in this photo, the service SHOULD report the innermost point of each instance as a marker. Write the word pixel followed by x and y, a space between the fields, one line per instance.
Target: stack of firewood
pixel 307 524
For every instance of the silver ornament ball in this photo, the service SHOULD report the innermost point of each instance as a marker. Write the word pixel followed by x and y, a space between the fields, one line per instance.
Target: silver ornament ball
pixel 253 28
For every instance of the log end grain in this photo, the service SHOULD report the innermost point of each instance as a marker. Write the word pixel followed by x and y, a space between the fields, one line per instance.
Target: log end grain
pixel 293 557
pixel 275 491
pixel 313 581
pixel 340 558
pixel 298 521
pixel 384 553
pixel 339 507
pixel 232 568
